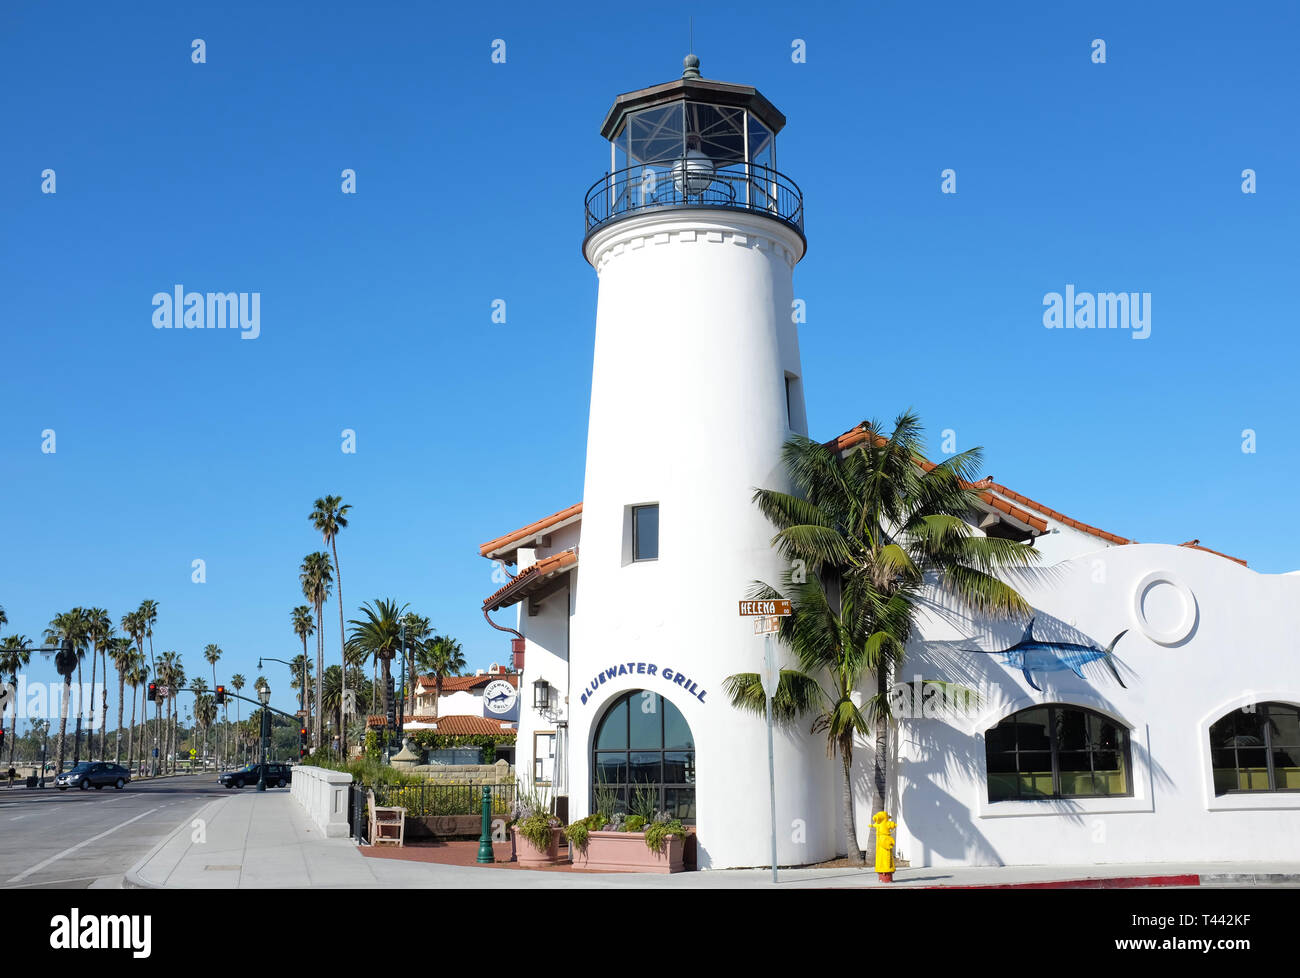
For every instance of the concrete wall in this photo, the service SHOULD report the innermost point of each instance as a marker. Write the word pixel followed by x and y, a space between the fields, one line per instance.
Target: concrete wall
pixel 324 797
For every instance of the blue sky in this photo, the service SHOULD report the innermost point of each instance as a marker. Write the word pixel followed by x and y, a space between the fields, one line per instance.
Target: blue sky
pixel 177 445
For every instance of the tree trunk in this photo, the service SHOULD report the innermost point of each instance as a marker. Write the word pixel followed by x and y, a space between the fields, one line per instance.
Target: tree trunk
pixel 63 725
pixel 878 783
pixel 94 675
pixel 850 836
pixel 121 708
pixel 81 711
pixel 320 676
pixel 13 736
pixel 130 734
pixel 103 714
pixel 343 654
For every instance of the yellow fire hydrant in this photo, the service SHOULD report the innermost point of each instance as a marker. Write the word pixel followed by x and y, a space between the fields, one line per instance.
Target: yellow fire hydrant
pixel 884 846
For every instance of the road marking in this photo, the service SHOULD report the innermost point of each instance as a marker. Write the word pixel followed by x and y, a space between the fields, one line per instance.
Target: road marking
pixel 80 845
pixel 73 879
pixel 17 817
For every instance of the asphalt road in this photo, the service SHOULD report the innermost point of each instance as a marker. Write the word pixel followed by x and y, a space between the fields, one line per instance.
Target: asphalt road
pixel 80 839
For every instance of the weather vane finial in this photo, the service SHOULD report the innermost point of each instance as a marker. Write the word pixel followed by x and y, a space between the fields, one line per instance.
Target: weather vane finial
pixel 691 64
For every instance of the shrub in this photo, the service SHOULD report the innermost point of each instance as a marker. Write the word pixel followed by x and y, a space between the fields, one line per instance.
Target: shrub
pixel 657 832
pixel 578 832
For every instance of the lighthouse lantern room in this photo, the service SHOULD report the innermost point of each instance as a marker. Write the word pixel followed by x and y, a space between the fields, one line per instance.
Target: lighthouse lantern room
pixel 693 142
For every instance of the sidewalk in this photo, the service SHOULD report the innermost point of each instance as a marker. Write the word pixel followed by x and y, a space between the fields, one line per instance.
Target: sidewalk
pixel 253 840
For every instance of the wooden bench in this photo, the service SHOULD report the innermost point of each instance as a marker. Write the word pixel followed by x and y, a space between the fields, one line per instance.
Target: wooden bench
pixel 387 824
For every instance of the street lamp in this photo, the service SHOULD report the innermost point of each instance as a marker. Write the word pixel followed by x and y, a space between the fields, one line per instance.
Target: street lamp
pixel 264 697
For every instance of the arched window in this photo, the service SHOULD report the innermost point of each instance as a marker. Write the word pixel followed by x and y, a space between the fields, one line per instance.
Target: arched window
pixel 643 756
pixel 1057 751
pixel 1257 748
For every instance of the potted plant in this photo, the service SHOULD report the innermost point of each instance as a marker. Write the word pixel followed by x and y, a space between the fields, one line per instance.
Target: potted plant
pixel 627 843
pixel 535 828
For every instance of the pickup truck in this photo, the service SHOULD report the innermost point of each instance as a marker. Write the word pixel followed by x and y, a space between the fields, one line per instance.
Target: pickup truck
pixel 277 776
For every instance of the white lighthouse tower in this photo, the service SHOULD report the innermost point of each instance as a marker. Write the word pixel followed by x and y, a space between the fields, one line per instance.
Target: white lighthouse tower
pixel 696 385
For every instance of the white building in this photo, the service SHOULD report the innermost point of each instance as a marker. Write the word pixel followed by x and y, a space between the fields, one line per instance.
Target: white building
pixel 694 236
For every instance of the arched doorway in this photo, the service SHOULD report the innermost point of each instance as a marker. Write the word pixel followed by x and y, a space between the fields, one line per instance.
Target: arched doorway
pixel 644 753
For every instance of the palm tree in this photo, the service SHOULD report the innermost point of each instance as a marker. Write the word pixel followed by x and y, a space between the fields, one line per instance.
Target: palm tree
pixel 379 634
pixel 99 629
pixel 15 654
pixel 301 667
pixel 66 627
pixel 148 616
pixel 317 578
pixel 416 633
pixel 442 657
pixel 304 627
pixel 329 515
pixel 170 673
pixel 122 652
pixel 237 683
pixel 137 675
pixel 870 527
pixel 212 653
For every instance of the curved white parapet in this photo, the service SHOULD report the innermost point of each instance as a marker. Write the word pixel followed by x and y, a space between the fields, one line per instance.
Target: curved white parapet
pixel 323 794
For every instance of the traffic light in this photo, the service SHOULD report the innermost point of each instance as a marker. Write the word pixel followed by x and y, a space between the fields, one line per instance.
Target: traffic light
pixel 153 692
pixel 302 742
pixel 392 704
pixel 221 695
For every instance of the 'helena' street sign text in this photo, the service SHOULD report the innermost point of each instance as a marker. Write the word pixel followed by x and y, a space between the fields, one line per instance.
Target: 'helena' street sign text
pixel 779 606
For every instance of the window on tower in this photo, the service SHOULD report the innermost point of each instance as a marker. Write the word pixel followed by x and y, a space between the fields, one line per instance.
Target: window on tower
pixel 645 532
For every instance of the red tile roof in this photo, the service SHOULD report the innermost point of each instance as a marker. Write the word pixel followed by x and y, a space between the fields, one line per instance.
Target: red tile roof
pixel 460 726
pixel 1196 545
pixel 492 546
pixel 532 577
pixel 858 435
pixel 456 684
pixel 991 495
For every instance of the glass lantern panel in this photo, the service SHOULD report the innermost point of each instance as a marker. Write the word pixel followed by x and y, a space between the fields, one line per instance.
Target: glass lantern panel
pixel 760 143
pixel 721 131
pixel 654 135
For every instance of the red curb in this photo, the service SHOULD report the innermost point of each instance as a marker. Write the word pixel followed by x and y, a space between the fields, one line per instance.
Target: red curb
pixel 1108 883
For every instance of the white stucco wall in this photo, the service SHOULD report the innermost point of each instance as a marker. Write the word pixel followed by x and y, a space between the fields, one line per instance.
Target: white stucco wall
pixel 1239 647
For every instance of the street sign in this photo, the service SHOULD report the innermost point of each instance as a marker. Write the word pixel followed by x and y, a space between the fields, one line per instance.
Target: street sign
pixel 771 674
pixel 767 625
pixel 778 606
pixel 155 752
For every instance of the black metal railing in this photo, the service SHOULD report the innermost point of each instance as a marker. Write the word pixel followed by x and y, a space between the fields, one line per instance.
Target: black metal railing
pixel 436 798
pixel 735 186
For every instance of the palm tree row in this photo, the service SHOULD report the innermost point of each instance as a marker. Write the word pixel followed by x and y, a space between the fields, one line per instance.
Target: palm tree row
pixel 91 631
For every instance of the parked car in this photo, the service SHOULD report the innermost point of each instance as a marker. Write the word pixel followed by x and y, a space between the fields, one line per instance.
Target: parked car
pixel 94 774
pixel 277 776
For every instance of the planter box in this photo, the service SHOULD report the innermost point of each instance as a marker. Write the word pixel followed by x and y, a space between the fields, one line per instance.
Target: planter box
pixel 530 857
pixel 626 852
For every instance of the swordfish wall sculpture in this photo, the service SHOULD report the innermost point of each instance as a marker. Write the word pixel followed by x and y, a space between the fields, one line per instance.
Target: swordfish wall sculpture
pixel 1030 655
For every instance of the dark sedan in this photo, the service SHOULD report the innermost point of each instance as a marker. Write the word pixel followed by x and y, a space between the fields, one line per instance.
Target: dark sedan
pixel 94 774
pixel 277 776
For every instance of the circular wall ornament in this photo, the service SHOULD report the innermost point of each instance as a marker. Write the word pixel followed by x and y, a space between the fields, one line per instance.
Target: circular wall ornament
pixel 499 697
pixel 1164 608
